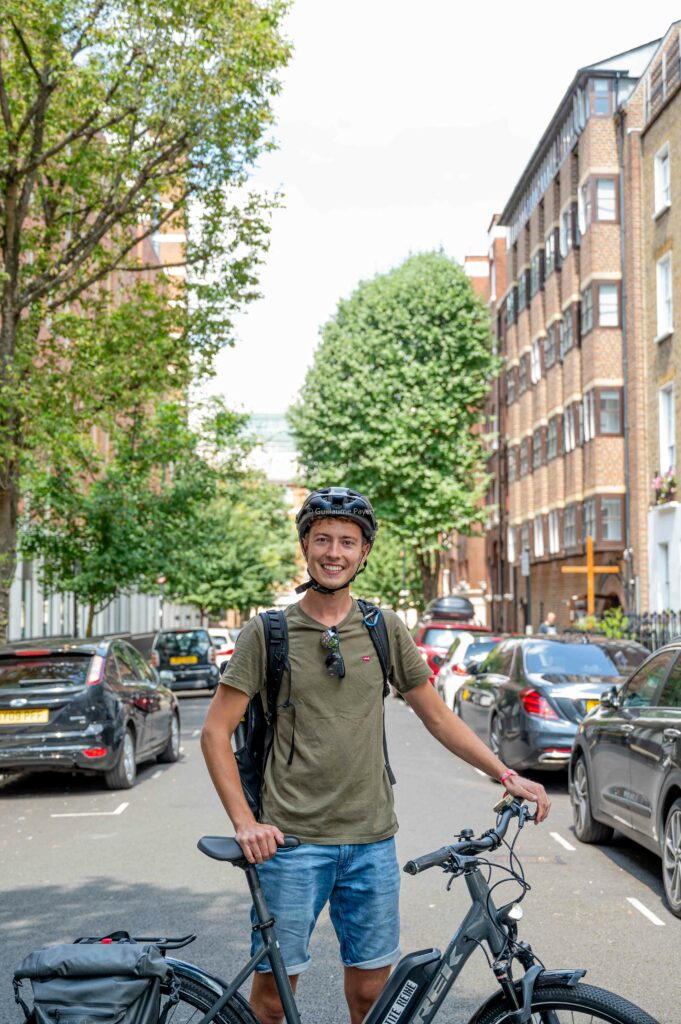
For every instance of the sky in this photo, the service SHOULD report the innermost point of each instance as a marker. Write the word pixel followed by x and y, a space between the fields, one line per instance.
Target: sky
pixel 401 127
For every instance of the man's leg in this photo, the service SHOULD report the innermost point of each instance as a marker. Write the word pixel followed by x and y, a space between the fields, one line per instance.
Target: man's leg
pixel 264 999
pixel 362 988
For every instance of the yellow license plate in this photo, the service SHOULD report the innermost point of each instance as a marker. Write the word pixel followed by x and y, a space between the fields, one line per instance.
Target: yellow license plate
pixel 24 717
pixel 465 695
pixel 591 704
pixel 189 659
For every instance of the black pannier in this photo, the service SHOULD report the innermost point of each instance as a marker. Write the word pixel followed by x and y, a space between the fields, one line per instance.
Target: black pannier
pixel 98 983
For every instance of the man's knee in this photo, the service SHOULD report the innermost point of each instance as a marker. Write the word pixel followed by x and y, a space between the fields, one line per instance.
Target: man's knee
pixel 265 1000
pixel 362 988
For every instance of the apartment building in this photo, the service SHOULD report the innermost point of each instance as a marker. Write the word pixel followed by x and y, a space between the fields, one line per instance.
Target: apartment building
pixel 562 470
pixel 650 126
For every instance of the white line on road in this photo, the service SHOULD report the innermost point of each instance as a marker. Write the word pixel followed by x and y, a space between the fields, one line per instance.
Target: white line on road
pixel 157 774
pixel 91 814
pixel 563 842
pixel 637 905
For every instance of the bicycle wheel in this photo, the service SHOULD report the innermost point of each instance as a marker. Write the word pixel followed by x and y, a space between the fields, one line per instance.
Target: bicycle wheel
pixel 576 1004
pixel 196 998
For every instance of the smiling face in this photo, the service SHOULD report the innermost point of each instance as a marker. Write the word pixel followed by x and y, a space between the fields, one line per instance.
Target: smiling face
pixel 334 548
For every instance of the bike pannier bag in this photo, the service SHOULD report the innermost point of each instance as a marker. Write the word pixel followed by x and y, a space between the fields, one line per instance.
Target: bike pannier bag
pixel 101 983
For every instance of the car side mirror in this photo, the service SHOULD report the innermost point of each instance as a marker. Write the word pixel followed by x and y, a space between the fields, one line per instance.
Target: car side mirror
pixel 473 667
pixel 610 698
pixel 166 677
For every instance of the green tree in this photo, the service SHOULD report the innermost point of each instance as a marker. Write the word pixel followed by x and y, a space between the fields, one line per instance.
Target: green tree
pixel 392 404
pixel 117 118
pixel 391 576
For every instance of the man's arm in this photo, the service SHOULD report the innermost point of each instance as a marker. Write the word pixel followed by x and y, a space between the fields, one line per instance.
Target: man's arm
pixel 258 841
pixel 455 735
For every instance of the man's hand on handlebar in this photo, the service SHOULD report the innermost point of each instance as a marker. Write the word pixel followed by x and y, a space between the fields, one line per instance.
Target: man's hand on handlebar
pixel 259 842
pixel 524 789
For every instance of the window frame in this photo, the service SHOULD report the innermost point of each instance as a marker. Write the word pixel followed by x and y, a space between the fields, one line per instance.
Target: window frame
pixel 587 308
pixel 511 381
pixel 552 439
pixel 524 457
pixel 617 287
pixel 551 346
pixel 600 392
pixel 538 454
pixel 538 545
pixel 570 523
pixel 667 439
pixel 536 360
pixel 597 180
pixel 594 97
pixel 523 374
pixel 612 542
pixel 537 271
pixel 666 327
pixel 554 532
pixel 662 201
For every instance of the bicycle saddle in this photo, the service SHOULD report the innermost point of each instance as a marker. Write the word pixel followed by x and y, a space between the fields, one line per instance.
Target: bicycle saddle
pixel 226 848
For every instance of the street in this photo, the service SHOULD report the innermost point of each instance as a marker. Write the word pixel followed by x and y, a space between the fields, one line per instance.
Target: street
pixel 77 859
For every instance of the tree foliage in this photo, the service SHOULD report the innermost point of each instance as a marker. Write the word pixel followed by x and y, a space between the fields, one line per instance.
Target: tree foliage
pixel 392 404
pixel 119 118
pixel 392 575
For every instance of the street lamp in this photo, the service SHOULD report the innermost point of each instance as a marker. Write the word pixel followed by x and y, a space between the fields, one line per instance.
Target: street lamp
pixel 161 580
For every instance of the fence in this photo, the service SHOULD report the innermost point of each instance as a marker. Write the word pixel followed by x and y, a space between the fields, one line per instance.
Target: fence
pixel 653 629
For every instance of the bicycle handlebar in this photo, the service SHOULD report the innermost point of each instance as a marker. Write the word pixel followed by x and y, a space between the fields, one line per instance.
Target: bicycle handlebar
pixel 488 841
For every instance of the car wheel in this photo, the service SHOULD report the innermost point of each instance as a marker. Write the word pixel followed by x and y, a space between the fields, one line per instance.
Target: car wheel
pixel 171 751
pixel 671 858
pixel 124 773
pixel 495 736
pixel 587 829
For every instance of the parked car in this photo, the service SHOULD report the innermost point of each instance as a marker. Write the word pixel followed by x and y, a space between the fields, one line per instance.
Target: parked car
pixel 185 659
pixel 451 606
pixel 94 707
pixel 223 644
pixel 527 698
pixel 434 638
pixel 466 649
pixel 625 768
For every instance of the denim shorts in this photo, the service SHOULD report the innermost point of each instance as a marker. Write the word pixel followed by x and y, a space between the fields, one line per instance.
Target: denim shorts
pixel 361 884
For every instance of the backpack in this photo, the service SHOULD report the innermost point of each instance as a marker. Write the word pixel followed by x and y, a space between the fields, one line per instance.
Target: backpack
pixel 255 734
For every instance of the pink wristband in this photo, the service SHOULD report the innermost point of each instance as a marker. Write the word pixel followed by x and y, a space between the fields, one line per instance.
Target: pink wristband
pixel 507 775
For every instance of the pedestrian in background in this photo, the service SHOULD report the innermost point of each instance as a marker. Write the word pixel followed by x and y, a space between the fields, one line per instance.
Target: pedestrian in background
pixel 548 627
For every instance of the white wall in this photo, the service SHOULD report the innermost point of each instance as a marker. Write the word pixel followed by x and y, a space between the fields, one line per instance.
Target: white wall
pixel 664 546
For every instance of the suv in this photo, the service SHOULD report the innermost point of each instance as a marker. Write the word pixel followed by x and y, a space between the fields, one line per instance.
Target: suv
pixel 94 706
pixel 434 637
pixel 185 659
pixel 625 767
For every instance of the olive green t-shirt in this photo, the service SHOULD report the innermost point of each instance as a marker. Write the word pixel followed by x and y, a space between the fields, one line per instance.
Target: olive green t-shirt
pixel 336 789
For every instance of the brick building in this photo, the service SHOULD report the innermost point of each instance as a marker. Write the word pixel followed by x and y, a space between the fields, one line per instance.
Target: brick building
pixel 562 467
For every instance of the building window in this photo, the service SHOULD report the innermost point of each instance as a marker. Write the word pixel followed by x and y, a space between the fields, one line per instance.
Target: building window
pixel 611 519
pixel 554 532
pixel 606 199
pixel 589 415
pixel 552 440
pixel 608 305
pixel 510 387
pixel 663 196
pixel 524 456
pixel 570 526
pixel 522 375
pixel 538 532
pixel 568 429
pixel 589 518
pixel 535 362
pixel 579 424
pixel 511 458
pixel 664 296
pixel 585 206
pixel 510 544
pixel 525 537
pixel 600 97
pixel 550 254
pixel 537 448
pixel 522 291
pixel 565 232
pixel 667 428
pixel 550 347
pixel 610 418
pixel 567 338
pixel 537 272
pixel 587 310
pixel 510 307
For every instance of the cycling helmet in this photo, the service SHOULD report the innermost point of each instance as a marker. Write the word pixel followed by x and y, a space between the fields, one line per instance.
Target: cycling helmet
pixel 344 503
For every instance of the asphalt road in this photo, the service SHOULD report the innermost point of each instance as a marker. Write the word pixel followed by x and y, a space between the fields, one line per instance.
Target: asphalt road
pixel 76 859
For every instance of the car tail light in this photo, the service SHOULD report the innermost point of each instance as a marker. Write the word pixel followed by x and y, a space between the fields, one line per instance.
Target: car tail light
pixel 96 752
pixel 31 654
pixel 96 670
pixel 459 670
pixel 155 660
pixel 535 704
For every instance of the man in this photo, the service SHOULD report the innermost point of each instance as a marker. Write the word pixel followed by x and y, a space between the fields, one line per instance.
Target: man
pixel 326 781
pixel 548 628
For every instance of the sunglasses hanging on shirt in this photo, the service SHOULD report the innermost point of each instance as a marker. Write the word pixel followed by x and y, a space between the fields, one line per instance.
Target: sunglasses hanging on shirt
pixel 330 641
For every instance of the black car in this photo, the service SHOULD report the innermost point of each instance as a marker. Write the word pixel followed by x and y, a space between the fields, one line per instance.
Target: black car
pixel 95 706
pixel 185 659
pixel 529 695
pixel 625 769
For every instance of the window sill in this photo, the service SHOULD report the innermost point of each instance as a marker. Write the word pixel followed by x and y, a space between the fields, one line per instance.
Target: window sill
pixel 663 336
pixel 663 209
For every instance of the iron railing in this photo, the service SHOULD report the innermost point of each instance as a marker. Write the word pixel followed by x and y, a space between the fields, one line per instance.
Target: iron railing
pixel 653 629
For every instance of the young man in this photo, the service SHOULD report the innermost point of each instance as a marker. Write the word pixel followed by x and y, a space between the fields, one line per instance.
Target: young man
pixel 326 781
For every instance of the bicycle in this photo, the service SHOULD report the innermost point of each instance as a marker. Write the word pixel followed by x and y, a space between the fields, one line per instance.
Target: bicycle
pixel 419 984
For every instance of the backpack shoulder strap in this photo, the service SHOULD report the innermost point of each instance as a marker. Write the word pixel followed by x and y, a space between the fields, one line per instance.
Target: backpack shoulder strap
pixel 374 620
pixel 276 645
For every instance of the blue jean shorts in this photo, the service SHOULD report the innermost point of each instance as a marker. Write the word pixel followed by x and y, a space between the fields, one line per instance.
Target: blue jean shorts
pixel 361 884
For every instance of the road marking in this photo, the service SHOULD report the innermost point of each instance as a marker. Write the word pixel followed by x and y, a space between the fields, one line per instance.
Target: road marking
pixel 91 814
pixel 563 842
pixel 157 774
pixel 637 905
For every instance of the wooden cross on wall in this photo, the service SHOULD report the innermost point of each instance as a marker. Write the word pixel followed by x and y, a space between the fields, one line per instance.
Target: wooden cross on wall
pixel 590 569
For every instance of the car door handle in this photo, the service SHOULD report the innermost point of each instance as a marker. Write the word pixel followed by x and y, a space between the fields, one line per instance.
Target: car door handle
pixel 671 734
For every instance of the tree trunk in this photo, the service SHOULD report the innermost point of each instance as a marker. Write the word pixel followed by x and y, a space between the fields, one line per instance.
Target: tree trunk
pixel 9 500
pixel 428 568
pixel 90 618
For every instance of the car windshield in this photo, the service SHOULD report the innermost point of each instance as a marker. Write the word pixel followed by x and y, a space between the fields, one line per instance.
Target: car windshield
pixel 219 641
pixel 27 672
pixel 437 637
pixel 479 650
pixel 187 642
pixel 547 658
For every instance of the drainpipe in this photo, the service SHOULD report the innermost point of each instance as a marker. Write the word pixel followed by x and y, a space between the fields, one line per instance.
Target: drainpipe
pixel 629 562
